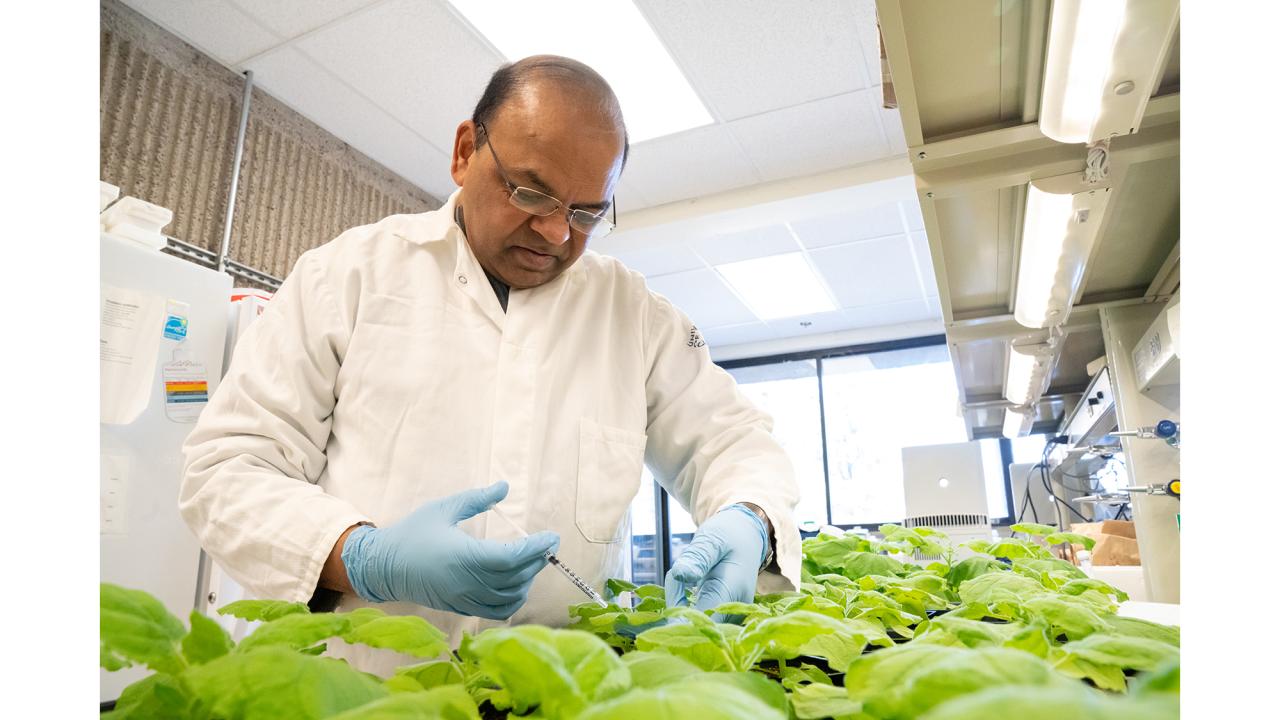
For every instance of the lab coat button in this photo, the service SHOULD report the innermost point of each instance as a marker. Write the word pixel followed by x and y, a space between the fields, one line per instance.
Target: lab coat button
pixel 462 279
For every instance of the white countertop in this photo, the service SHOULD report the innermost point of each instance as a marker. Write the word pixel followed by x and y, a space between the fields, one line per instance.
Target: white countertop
pixel 1163 613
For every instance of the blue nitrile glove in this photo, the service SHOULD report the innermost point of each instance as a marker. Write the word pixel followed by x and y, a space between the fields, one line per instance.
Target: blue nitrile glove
pixel 427 559
pixel 723 560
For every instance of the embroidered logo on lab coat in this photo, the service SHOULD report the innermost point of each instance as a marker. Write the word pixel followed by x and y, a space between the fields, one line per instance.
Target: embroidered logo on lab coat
pixel 695 338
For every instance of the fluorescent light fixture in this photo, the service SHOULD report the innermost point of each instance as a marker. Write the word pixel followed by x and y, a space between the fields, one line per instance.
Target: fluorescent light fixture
pixel 614 39
pixel 1027 372
pixel 1058 234
pixel 1103 60
pixel 1017 422
pixel 778 286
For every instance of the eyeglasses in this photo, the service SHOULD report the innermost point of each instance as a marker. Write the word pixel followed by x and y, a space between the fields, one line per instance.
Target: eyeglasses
pixel 593 225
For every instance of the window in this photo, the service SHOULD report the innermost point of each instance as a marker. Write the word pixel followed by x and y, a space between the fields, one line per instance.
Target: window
pixel 644 561
pixel 877 404
pixel 874 401
pixel 1029 449
pixel 789 392
pixel 993 470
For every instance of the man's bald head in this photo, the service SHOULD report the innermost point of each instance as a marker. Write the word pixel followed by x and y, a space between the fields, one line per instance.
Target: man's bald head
pixel 564 74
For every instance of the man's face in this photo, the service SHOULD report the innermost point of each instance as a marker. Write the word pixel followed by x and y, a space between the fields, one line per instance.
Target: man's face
pixel 547 142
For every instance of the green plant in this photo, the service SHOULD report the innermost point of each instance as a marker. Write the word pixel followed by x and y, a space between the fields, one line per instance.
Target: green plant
pixel 867 636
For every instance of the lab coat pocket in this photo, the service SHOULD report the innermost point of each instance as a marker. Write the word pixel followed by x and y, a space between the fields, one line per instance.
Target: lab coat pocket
pixel 610 463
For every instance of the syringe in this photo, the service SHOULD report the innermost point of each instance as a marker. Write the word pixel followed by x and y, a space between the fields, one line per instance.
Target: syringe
pixel 551 558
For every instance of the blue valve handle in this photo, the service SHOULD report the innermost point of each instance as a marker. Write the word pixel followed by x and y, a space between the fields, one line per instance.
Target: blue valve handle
pixel 1166 428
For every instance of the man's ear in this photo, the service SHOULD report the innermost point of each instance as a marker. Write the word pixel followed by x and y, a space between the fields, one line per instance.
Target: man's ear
pixel 464 148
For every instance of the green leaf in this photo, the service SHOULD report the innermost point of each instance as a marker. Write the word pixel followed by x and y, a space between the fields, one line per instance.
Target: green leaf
pixel 134 627
pixel 936 680
pixel 864 563
pixel 274 682
pixel 1135 627
pixel 795 677
pixel 815 701
pixel 871 675
pixel 1003 594
pixel 444 703
pixel 1033 529
pixel 432 674
pixel 408 634
pixel 206 641
pixel 265 610
pixel 1012 549
pixel 651 591
pixel 707 648
pixel 962 632
pixel 706 697
pixel 970 568
pixel 657 669
pixel 1065 615
pixel 1103 658
pixel 296 631
pixel 558 671
pixel 1059 703
pixel 1080 586
pixel 1164 679
pixel 613 587
pixel 1037 568
pixel 1069 537
pixel 788 636
pixel 155 696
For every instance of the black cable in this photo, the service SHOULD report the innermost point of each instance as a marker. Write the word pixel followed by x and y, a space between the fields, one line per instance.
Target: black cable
pixel 1044 477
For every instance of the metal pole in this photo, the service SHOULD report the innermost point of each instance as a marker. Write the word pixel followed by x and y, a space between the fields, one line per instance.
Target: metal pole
pixel 822 430
pixel 235 170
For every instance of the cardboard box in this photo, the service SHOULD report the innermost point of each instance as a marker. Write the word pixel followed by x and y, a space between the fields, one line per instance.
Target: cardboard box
pixel 1123 528
pixel 1115 542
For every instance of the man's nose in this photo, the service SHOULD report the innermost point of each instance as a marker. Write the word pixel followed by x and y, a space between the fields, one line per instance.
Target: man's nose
pixel 554 227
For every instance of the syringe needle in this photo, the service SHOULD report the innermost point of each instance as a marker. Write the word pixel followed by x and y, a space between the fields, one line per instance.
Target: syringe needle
pixel 552 559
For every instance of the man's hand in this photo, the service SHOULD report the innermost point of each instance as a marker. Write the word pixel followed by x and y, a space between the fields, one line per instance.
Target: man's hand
pixel 426 559
pixel 723 560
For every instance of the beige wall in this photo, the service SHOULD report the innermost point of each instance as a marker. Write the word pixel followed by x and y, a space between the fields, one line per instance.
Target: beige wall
pixel 168 117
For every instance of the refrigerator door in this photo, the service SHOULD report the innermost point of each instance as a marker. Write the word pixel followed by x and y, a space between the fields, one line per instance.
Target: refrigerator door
pixel 144 543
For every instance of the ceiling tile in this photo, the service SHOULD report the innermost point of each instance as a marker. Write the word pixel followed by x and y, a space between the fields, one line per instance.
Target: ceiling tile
pixel 414 59
pixel 897 313
pixel 865 24
pixel 745 245
pixel 291 18
pixel 653 261
pixel 872 272
pixel 892 122
pixel 737 334
pixel 920 243
pixel 704 297
pixel 753 56
pixel 215 26
pixel 691 164
pixel 846 227
pixel 299 83
pixel 817 323
pixel 815 137
pixel 627 197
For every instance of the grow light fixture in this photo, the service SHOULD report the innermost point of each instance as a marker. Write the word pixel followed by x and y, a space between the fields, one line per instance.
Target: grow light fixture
pixel 1027 372
pixel 1058 234
pixel 1103 60
pixel 614 39
pixel 778 286
pixel 1017 422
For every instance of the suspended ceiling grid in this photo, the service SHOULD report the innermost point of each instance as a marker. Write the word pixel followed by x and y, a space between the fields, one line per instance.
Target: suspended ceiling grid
pixel 967 75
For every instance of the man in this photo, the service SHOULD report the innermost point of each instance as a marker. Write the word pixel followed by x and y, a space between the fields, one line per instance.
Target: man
pixel 412 374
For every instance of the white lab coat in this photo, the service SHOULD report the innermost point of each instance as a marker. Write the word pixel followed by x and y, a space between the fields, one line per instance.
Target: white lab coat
pixel 384 374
